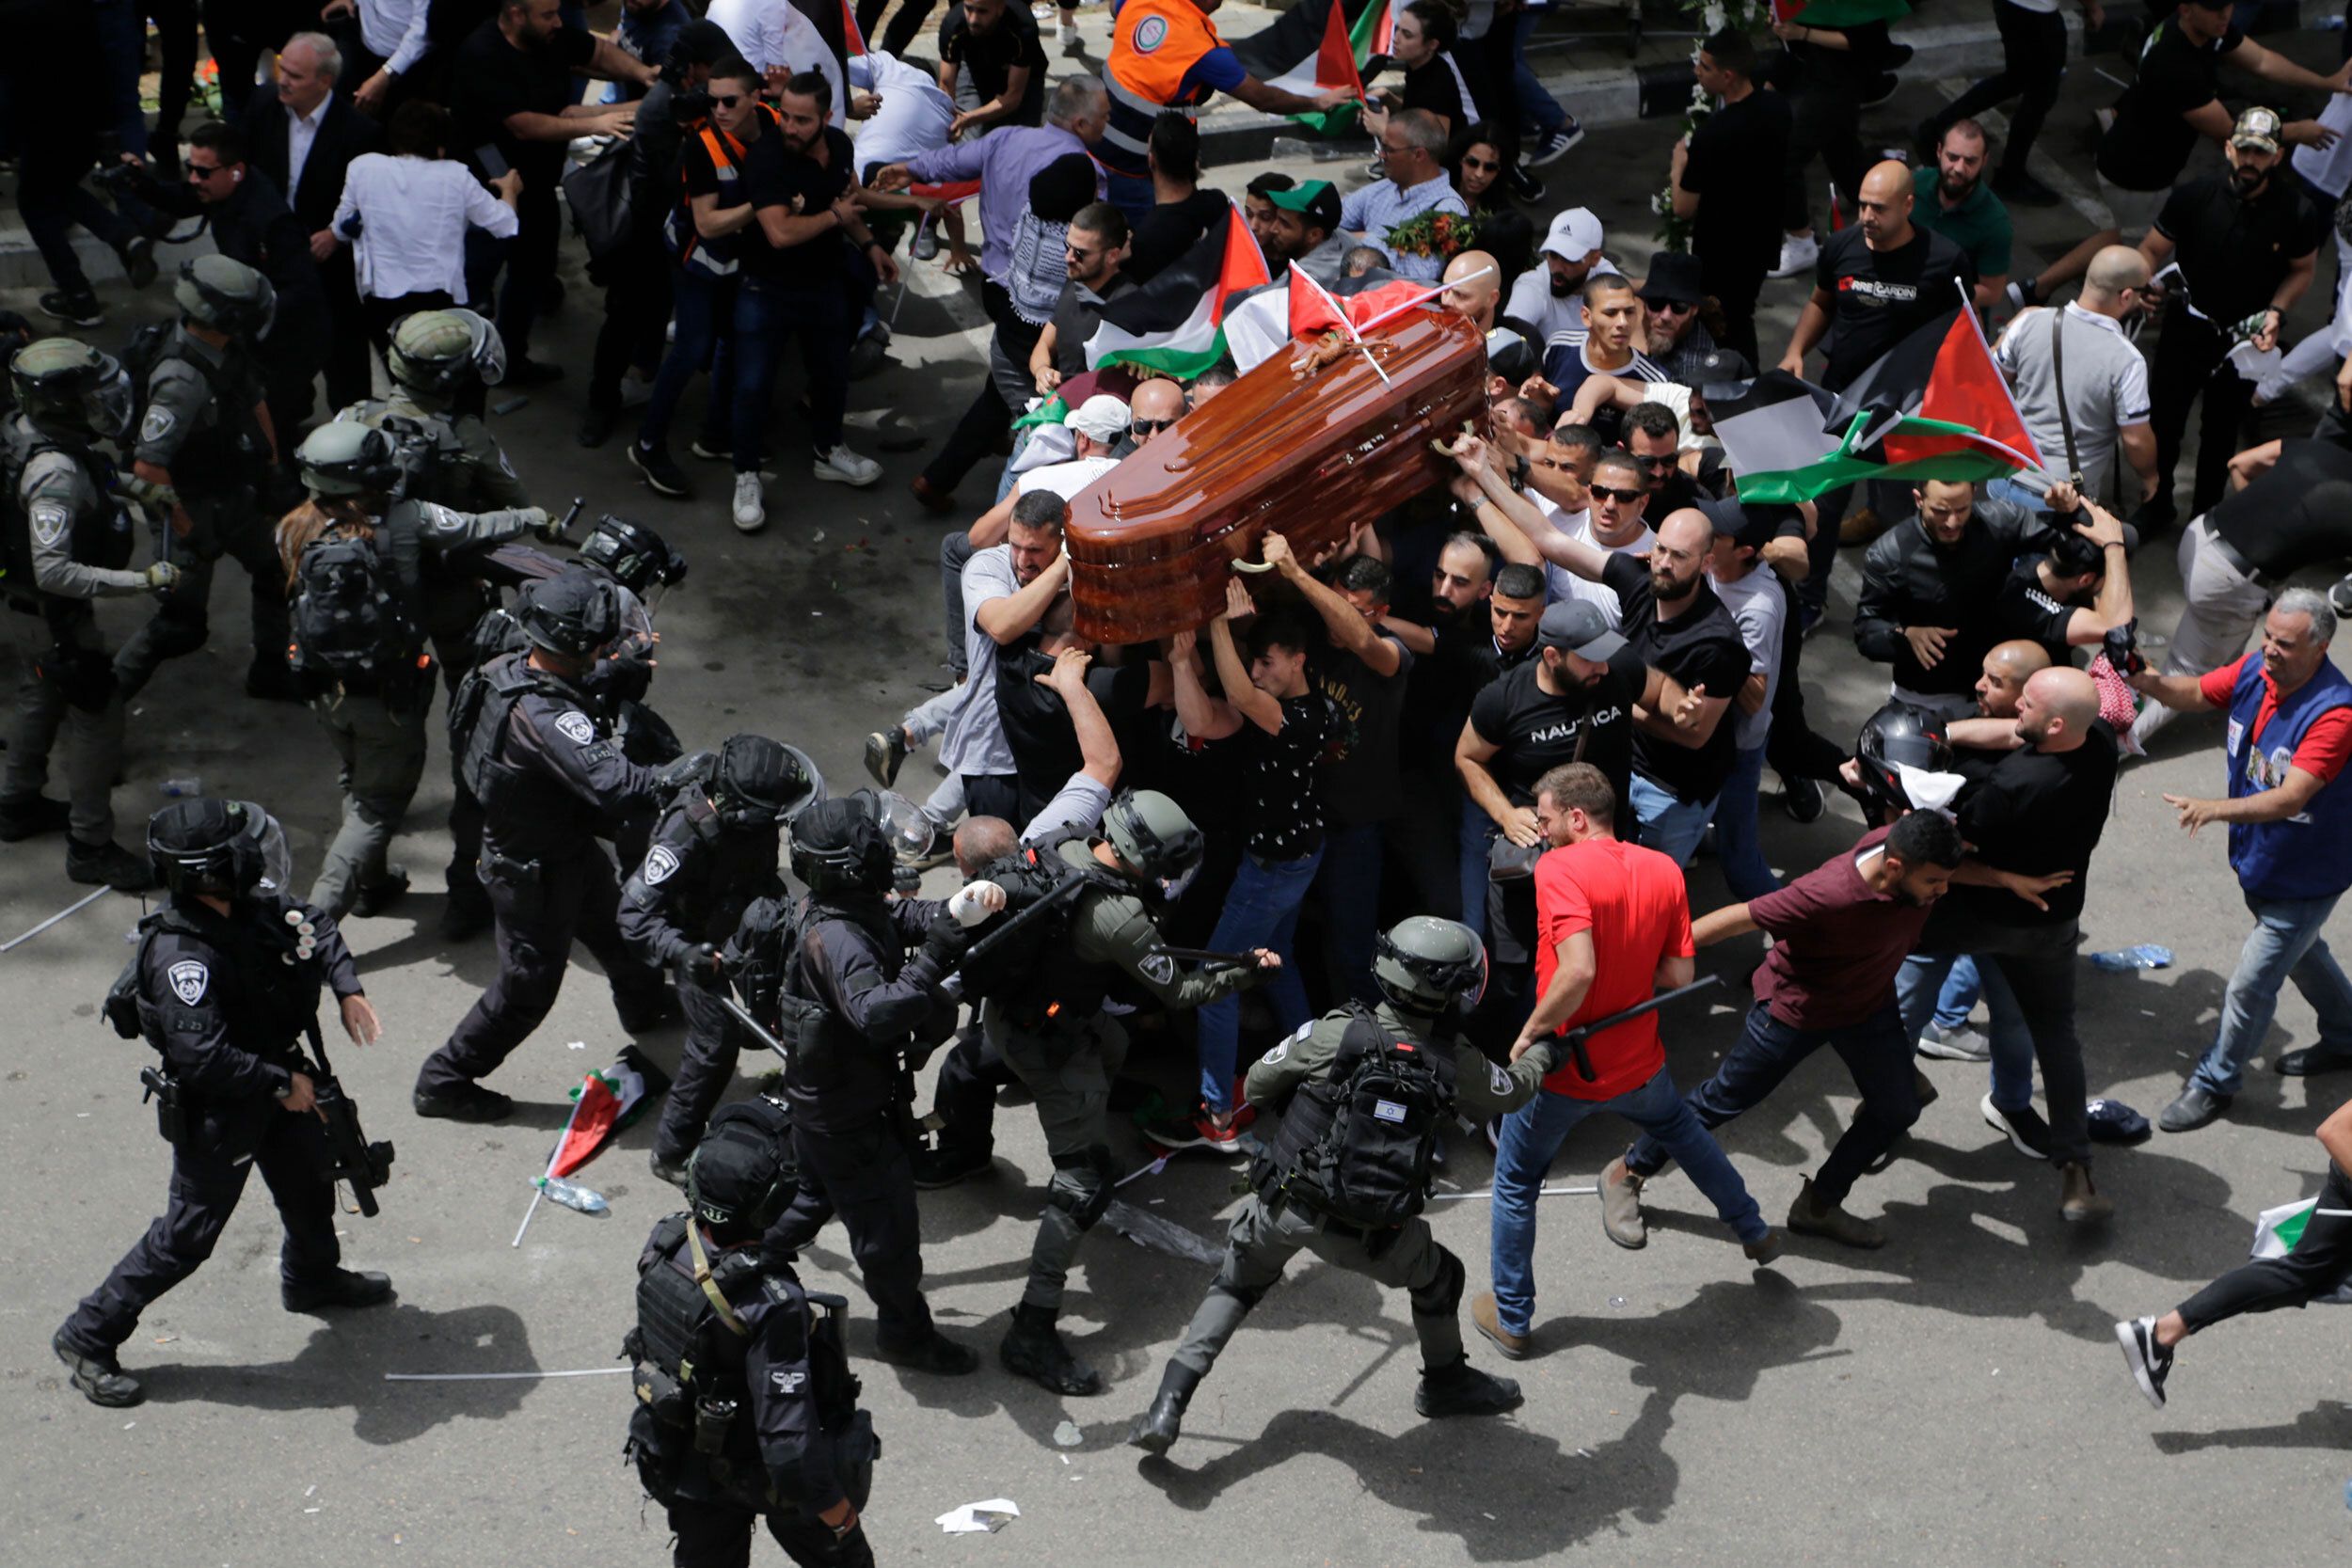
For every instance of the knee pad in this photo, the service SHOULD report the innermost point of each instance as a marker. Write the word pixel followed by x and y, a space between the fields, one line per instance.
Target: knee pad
pixel 1445 1292
pixel 1081 1186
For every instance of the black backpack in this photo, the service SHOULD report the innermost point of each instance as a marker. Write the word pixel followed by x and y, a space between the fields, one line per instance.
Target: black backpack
pixel 1016 962
pixel 351 627
pixel 1357 1146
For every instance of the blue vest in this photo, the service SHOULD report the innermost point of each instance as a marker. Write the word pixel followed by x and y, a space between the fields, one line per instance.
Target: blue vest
pixel 2308 856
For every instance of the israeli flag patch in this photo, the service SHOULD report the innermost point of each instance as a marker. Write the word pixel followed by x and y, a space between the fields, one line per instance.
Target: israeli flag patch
pixel 574 726
pixel 188 978
pixel 1388 1110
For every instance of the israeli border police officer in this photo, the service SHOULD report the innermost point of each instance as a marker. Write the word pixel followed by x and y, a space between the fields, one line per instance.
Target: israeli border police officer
pixel 357 565
pixel 225 982
pixel 1365 1093
pixel 537 752
pixel 746 1409
pixel 77 543
pixel 205 432
pixel 1048 1023
pixel 638 564
pixel 716 848
pixel 833 974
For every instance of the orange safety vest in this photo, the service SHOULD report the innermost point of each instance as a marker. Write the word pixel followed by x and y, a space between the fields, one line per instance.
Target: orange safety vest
pixel 726 155
pixel 1153 44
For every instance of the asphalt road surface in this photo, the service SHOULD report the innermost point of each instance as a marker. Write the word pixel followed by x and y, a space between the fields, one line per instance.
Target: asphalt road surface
pixel 1954 1399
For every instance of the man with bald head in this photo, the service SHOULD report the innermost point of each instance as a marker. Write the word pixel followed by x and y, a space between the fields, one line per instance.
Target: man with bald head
pixel 1473 291
pixel 2016 903
pixel 2106 417
pixel 1878 281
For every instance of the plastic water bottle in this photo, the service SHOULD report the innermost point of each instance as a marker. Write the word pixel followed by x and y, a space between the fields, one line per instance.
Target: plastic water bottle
pixel 2145 956
pixel 574 1196
pixel 181 789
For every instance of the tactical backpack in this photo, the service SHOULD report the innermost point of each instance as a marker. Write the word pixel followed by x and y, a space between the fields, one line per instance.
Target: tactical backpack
pixel 1358 1146
pixel 1031 963
pixel 351 627
pixel 764 958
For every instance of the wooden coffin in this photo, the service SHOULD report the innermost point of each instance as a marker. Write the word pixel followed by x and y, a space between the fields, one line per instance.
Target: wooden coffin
pixel 1152 541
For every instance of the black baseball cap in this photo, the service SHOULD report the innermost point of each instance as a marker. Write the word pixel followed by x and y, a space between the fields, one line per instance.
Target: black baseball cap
pixel 1735 522
pixel 1578 626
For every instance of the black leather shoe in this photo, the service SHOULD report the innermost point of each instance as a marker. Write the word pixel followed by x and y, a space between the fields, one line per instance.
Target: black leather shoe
pixel 24 816
pixel 1462 1390
pixel 2313 1060
pixel 947 1166
pixel 99 1378
pixel 1157 1430
pixel 343 1287
pixel 376 897
pixel 465 1103
pixel 108 865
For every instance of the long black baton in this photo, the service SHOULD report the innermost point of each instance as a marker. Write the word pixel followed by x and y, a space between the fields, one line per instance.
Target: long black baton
pixel 1582 1032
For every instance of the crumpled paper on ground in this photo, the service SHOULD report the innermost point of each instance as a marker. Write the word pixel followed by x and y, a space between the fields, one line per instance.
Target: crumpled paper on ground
pixel 975 1518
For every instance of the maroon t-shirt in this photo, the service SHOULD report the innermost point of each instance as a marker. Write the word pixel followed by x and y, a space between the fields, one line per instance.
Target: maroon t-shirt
pixel 1836 944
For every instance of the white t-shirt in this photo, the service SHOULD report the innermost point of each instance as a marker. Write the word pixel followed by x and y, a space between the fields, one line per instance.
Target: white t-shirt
pixel 913 117
pixel 773 33
pixel 1566 584
pixel 1065 479
pixel 1757 604
pixel 1532 301
pixel 974 742
pixel 2330 167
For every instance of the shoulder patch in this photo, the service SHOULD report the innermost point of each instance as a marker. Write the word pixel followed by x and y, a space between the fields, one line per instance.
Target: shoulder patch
pixel 1158 968
pixel 158 423
pixel 50 520
pixel 188 979
pixel 661 865
pixel 1276 1055
pixel 574 726
pixel 1498 1080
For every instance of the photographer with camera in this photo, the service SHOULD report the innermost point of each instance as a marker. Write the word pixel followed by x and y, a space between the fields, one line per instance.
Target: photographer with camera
pixel 2290 832
pixel 223 983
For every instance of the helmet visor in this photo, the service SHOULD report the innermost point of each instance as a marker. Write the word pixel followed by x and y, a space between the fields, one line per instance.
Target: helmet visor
pixel 489 349
pixel 902 822
pixel 108 406
pixel 262 855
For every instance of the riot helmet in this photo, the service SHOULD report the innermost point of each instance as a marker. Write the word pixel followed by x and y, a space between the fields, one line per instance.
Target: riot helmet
pixel 218 848
pixel 346 459
pixel 68 389
pixel 226 295
pixel 742 1174
pixel 907 825
pixel 437 352
pixel 572 613
pixel 1156 839
pixel 839 847
pixel 1899 735
pixel 1427 966
pixel 632 555
pixel 757 783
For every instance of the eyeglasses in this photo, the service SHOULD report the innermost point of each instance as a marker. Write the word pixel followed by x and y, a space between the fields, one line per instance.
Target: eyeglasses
pixel 728 101
pixel 1150 427
pixel 1612 493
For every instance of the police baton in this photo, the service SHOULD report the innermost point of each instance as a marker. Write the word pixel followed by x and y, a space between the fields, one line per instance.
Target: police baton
pixel 952 984
pixel 1208 960
pixel 1576 1038
pixel 580 504
pixel 742 1016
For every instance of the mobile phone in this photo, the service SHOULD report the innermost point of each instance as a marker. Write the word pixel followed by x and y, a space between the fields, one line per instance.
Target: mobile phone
pixel 487 160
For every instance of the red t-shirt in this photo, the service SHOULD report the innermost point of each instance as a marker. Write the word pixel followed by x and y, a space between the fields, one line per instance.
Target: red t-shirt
pixel 2327 745
pixel 1837 944
pixel 1631 901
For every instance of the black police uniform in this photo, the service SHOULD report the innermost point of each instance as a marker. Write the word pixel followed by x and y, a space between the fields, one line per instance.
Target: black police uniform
pixel 218 999
pixel 543 763
pixel 697 879
pixel 778 1439
pixel 845 956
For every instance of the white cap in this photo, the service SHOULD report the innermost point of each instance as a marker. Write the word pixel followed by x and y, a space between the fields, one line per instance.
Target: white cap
pixel 1574 234
pixel 1101 416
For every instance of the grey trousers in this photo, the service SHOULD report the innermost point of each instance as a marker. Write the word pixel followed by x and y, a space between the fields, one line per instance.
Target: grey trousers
pixel 1259 1245
pixel 93 742
pixel 1069 1073
pixel 2224 607
pixel 381 749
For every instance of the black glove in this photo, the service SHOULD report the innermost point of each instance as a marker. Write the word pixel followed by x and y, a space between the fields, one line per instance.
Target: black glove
pixel 694 764
pixel 698 965
pixel 947 942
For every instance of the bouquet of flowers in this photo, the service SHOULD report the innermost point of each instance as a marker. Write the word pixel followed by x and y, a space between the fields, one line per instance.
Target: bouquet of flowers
pixel 1443 235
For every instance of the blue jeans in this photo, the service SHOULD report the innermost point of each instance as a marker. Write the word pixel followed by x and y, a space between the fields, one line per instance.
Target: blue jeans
pixel 1261 911
pixel 766 313
pixel 2284 945
pixel 701 307
pixel 1958 999
pixel 1478 833
pixel 1737 844
pixel 1668 824
pixel 1923 980
pixel 1532 1136
pixel 1537 106
pixel 1348 887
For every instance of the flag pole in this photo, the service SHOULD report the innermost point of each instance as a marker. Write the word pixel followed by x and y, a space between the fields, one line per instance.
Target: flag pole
pixel 539 1188
pixel 1349 328
pixel 1417 301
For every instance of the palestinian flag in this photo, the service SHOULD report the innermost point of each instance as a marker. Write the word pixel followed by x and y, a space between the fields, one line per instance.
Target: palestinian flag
pixel 1840 13
pixel 852 36
pixel 1175 324
pixel 1934 406
pixel 603 1103
pixel 2279 1231
pixel 1270 320
pixel 1333 54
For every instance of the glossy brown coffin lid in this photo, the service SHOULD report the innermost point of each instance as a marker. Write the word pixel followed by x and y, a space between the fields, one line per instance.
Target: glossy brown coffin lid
pixel 1150 541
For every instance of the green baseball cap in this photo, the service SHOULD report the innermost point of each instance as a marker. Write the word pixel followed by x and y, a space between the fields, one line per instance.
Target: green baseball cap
pixel 1314 201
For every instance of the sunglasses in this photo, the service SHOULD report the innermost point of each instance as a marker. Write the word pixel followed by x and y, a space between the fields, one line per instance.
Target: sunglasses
pixel 1492 166
pixel 204 171
pixel 1079 256
pixel 1659 463
pixel 1150 427
pixel 728 99
pixel 1612 493
pixel 1671 306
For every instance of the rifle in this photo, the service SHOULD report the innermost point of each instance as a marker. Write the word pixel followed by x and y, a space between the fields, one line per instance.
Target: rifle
pixel 1576 1038
pixel 349 1155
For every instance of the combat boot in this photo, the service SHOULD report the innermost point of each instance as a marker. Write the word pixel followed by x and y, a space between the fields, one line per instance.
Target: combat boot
pixel 107 864
pixel 343 1287
pixel 24 816
pixel 1155 1431
pixel 1462 1390
pixel 1032 1348
pixel 934 1352
pixel 100 1378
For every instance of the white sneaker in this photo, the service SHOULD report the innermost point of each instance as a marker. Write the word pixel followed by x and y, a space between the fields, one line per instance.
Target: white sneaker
pixel 844 466
pixel 749 517
pixel 1798 253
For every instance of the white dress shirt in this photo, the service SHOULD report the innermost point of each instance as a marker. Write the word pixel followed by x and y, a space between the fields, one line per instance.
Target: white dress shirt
pixel 393 30
pixel 414 214
pixel 775 33
pixel 302 133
